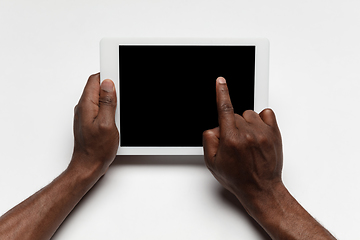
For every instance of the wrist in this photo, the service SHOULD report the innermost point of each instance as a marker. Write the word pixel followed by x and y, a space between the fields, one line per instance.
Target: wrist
pixel 282 217
pixel 268 206
pixel 86 173
pixel 270 199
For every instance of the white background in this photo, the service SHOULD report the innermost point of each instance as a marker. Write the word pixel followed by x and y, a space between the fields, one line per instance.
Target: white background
pixel 49 48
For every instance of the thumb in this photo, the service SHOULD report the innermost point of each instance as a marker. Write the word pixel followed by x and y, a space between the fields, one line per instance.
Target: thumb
pixel 107 101
pixel 210 145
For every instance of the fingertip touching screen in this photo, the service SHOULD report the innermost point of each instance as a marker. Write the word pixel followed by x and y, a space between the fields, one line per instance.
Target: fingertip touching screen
pixel 167 92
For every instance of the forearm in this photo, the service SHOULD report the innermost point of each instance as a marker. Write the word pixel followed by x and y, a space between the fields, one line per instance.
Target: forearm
pixel 39 216
pixel 284 218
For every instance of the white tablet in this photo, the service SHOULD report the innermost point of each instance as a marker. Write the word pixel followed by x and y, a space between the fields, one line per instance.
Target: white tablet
pixel 166 88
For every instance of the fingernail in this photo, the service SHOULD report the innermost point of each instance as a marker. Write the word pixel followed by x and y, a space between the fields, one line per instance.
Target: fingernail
pixel 221 80
pixel 107 85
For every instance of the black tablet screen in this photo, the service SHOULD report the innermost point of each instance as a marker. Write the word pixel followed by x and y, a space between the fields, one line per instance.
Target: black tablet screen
pixel 167 93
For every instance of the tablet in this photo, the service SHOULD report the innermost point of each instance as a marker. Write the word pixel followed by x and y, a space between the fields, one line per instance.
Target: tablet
pixel 166 88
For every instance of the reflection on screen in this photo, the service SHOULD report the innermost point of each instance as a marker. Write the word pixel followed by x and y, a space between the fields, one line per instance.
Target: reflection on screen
pixel 167 93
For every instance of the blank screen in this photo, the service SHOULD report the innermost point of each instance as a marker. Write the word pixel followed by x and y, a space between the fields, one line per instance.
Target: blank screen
pixel 167 93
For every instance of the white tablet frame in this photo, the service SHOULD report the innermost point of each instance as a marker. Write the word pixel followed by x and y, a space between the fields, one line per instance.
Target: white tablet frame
pixel 109 69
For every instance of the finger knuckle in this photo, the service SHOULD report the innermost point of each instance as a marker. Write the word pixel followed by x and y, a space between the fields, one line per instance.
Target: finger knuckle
pixel 207 133
pixel 105 126
pixel 226 107
pixel 250 139
pixel 232 142
pixel 263 140
pixel 77 110
pixel 259 140
pixel 224 89
pixel 249 113
pixel 106 100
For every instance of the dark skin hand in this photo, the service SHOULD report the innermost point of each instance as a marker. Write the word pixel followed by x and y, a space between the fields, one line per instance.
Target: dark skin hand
pixel 245 155
pixel 96 143
pixel 95 133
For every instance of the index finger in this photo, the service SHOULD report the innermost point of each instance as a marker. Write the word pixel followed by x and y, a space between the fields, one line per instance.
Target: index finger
pixel 226 115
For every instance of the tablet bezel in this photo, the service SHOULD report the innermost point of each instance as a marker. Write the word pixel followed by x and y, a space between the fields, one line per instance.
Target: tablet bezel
pixel 109 69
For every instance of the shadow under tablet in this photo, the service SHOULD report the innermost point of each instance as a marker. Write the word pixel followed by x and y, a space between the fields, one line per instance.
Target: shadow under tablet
pixel 167 93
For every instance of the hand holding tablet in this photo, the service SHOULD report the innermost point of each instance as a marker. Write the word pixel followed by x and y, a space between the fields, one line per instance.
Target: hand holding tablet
pixel 170 84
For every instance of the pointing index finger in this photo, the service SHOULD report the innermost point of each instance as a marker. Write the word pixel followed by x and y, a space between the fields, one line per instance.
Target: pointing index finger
pixel 226 115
